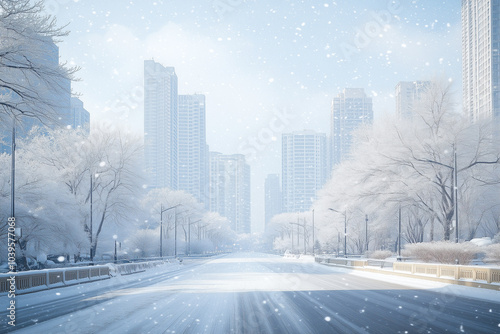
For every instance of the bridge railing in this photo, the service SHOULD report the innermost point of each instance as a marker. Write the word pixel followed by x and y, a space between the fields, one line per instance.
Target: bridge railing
pixel 457 272
pixel 473 273
pixel 36 280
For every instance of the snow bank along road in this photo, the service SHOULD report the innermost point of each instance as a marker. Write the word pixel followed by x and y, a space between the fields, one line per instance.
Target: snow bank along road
pixel 255 293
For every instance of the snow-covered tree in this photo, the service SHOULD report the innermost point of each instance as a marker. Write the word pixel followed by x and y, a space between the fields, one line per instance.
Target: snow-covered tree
pixel 108 159
pixel 410 164
pixel 217 230
pixel 144 242
pixel 28 75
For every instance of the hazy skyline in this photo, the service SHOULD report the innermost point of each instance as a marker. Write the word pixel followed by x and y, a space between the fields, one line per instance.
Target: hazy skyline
pixel 265 68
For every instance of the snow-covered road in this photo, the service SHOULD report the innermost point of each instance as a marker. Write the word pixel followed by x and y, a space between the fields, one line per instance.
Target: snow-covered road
pixel 257 293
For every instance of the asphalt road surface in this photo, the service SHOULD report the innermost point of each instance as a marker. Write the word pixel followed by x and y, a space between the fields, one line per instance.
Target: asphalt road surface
pixel 254 293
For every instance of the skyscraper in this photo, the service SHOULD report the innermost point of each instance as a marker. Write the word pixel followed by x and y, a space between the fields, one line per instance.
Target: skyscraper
pixel 304 169
pixel 230 189
pixel 160 124
pixel 193 153
pixel 272 197
pixel 481 59
pixel 350 109
pixel 80 117
pixel 408 95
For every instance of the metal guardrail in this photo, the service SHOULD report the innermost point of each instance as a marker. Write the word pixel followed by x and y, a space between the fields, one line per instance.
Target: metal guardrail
pixel 457 272
pixel 130 268
pixel 36 280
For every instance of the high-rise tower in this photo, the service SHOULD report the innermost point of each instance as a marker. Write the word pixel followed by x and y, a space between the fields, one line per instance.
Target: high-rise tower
pixel 160 124
pixel 304 169
pixel 481 59
pixel 192 148
pixel 350 109
pixel 230 189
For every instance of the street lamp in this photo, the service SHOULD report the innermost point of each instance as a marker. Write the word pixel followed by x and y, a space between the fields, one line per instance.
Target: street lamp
pixel 175 229
pixel 91 213
pixel 115 237
pixel 161 225
pixel 313 231
pixel 298 234
pixel 399 233
pixel 345 228
pixel 455 186
pixel 13 171
pixel 366 232
pixel 189 233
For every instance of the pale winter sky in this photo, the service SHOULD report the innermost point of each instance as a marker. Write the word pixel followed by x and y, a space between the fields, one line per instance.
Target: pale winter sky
pixel 266 67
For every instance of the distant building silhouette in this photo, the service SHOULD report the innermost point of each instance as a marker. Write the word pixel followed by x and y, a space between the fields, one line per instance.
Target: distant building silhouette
pixel 304 169
pixel 350 109
pixel 80 117
pixel 230 189
pixel 408 96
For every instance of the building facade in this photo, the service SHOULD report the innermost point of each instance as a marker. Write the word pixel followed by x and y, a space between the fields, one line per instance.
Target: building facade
pixel 80 117
pixel 192 147
pixel 230 189
pixel 350 109
pixel 52 106
pixel 273 200
pixel 408 95
pixel 160 125
pixel 304 169
pixel 481 59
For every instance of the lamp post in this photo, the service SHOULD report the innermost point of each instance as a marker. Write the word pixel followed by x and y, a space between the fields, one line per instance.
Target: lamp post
pixel 161 225
pixel 455 185
pixel 345 228
pixel 175 229
pixel 12 181
pixel 115 237
pixel 399 234
pixel 303 226
pixel 366 232
pixel 13 170
pixel 338 243
pixel 313 231
pixel 189 233
pixel 91 211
